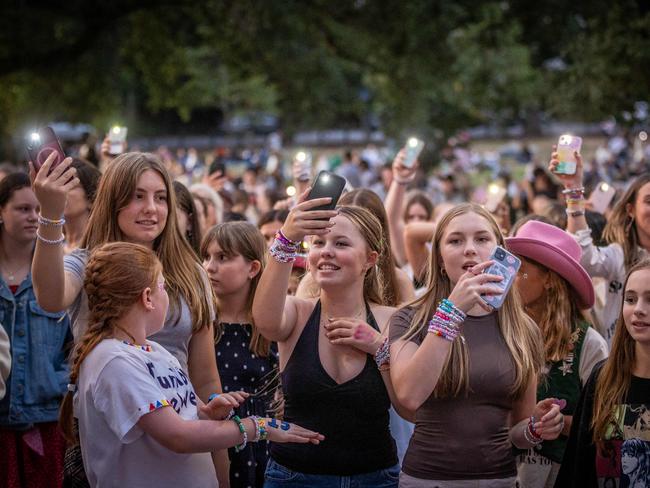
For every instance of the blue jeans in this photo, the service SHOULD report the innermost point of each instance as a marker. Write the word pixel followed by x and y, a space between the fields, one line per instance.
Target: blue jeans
pixel 277 476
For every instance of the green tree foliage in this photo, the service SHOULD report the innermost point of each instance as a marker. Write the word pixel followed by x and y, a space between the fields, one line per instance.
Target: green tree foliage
pixel 417 64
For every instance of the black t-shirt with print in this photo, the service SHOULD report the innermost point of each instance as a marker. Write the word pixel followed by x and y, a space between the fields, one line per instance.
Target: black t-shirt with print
pixel 625 461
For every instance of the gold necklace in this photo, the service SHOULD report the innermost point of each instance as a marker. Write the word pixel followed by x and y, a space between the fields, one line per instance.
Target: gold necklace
pixel 355 316
pixel 11 275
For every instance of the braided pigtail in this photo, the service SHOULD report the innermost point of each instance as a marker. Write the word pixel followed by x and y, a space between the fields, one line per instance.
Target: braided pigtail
pixel 116 275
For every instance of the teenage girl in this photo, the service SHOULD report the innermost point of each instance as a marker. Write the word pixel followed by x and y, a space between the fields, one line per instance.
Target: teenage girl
pixel 627 234
pixel 233 256
pixel 141 422
pixel 554 288
pixel 30 442
pixel 330 381
pixel 609 443
pixel 478 396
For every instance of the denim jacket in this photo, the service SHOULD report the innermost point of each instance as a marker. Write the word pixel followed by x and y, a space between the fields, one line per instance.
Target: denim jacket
pixel 39 371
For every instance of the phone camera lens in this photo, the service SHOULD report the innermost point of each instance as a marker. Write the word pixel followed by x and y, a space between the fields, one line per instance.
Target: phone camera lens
pixel 500 254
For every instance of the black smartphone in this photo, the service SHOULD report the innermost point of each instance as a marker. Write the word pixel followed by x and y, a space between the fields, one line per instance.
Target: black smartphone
pixel 327 184
pixel 41 144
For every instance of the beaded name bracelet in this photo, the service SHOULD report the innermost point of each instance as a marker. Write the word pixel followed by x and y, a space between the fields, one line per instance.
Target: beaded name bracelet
pixel 261 433
pixel 50 241
pixel 242 430
pixel 53 223
pixel 382 356
pixel 451 308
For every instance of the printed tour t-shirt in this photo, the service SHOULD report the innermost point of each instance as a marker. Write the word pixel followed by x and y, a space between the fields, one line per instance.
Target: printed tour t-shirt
pixel 624 460
pixel 118 384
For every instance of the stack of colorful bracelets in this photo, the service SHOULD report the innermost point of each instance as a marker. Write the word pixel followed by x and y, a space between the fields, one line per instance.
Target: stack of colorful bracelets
pixel 575 197
pixel 447 320
pixel 261 433
pixel 283 249
pixel 530 435
pixel 382 356
pixel 50 223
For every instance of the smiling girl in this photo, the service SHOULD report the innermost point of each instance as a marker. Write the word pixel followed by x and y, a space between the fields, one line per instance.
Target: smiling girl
pixel 609 437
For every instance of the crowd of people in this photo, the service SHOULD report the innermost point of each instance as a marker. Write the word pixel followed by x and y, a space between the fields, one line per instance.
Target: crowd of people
pixel 171 318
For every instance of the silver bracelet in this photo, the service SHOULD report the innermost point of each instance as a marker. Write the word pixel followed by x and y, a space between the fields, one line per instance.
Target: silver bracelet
pixel 52 242
pixel 575 213
pixel 53 223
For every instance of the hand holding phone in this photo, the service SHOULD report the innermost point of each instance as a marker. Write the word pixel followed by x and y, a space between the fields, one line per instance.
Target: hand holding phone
pixel 412 150
pixel 505 265
pixel 41 145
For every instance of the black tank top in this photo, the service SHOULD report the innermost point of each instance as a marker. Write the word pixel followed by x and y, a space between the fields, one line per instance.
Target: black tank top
pixel 353 416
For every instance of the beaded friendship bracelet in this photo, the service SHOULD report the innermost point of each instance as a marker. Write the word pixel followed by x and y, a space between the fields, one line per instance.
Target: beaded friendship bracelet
pixel 261 433
pixel 569 191
pixel 283 253
pixel 53 223
pixel 52 242
pixel 382 356
pixel 575 213
pixel 446 321
pixel 242 430
pixel 530 435
pixel 285 240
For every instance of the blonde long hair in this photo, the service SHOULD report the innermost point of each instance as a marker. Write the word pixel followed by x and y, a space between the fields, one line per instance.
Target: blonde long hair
pixel 615 377
pixel 244 239
pixel 621 228
pixel 116 275
pixel 521 335
pixel 559 318
pixel 369 200
pixel 183 273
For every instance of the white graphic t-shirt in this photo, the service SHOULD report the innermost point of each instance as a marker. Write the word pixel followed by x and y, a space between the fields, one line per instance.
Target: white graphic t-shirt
pixel 118 384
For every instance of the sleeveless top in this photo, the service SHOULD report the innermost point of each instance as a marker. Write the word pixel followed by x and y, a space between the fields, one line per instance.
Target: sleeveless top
pixel 353 416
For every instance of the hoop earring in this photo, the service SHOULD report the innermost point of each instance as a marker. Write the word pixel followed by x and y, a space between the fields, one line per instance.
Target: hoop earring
pixel 443 271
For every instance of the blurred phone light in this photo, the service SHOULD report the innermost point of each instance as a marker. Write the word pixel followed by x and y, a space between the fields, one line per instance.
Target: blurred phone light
pixel 604 187
pixel 643 135
pixel 494 188
pixel 116 129
pixel 291 191
pixel 305 245
pixel 412 142
pixel 35 137
pixel 301 156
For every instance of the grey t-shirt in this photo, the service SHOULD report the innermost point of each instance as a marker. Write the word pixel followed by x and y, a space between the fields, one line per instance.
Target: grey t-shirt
pixel 175 335
pixel 465 437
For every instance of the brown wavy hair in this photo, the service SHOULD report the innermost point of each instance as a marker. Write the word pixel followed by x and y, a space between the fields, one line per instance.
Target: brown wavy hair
pixel 519 332
pixel 614 380
pixel 116 275
pixel 370 201
pixel 183 274
pixel 621 228
pixel 245 240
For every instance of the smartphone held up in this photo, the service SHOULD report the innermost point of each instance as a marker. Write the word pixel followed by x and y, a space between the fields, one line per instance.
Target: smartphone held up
pixel 41 144
pixel 412 151
pixel 567 146
pixel 505 265
pixel 327 184
pixel 117 139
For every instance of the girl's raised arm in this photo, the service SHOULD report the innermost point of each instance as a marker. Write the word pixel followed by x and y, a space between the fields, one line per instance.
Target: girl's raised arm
pixel 274 313
pixel 55 289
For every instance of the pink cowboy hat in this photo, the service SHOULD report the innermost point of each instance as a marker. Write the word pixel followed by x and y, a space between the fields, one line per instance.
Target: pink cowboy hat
pixel 553 248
